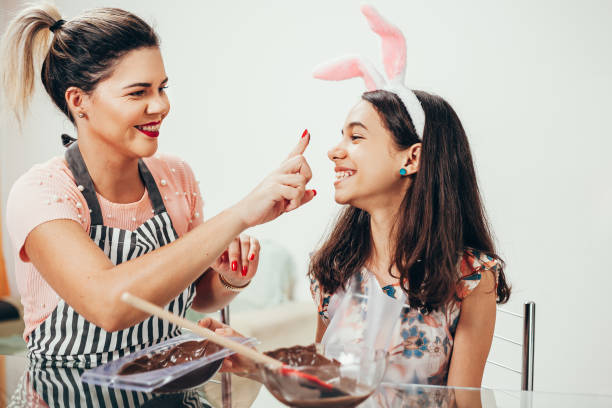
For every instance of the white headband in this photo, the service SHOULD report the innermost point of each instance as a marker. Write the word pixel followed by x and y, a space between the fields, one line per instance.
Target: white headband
pixel 394 60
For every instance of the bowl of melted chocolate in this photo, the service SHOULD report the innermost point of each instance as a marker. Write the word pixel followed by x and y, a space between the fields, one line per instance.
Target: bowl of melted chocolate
pixel 348 379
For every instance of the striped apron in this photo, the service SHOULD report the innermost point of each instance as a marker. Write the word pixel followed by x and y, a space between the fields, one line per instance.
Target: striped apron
pixel 65 343
pixel 62 387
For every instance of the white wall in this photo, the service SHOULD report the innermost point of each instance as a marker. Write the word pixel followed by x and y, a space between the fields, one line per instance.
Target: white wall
pixel 530 80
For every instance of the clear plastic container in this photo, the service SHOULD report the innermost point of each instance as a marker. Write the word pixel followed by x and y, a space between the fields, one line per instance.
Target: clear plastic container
pixel 170 379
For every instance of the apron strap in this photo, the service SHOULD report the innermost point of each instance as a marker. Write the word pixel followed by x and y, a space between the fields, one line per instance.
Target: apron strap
pixel 67 140
pixel 81 175
pixel 151 186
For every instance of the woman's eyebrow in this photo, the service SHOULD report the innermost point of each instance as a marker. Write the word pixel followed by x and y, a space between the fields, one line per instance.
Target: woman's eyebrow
pixel 144 84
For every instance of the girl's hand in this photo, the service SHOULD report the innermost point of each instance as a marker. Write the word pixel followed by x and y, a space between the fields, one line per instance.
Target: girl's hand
pixel 239 262
pixel 282 191
pixel 234 363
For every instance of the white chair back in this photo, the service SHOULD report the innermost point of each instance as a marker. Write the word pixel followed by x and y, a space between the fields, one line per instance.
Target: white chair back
pixel 527 345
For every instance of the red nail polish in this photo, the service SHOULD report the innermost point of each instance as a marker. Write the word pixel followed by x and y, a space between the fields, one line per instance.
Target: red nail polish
pixel 252 257
pixel 234 266
pixel 244 270
pixel 314 192
pixel 305 132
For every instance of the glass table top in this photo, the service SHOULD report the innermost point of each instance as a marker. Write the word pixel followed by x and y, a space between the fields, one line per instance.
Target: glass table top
pixel 23 386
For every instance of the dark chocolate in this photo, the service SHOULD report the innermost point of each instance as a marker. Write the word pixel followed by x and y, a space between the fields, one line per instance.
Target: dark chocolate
pixel 181 353
pixel 300 356
pixel 305 393
pixel 191 379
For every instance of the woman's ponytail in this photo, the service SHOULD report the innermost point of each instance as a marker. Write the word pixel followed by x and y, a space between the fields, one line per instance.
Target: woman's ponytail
pixel 81 52
pixel 25 44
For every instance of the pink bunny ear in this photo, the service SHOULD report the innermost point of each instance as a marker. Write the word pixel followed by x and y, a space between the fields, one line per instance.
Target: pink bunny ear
pixel 350 67
pixel 393 43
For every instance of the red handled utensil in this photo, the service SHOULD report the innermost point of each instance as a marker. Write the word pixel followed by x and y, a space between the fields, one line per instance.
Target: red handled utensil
pixel 290 371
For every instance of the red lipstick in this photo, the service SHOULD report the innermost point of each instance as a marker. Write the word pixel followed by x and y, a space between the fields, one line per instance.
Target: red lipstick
pixel 150 133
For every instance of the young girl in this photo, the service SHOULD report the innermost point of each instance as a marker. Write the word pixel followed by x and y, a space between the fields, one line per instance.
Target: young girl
pixel 413 222
pixel 110 217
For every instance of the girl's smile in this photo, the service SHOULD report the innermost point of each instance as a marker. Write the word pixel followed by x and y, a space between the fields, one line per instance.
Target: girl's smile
pixel 342 173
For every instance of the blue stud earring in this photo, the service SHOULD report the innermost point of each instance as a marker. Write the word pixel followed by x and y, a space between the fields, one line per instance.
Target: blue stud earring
pixel 403 171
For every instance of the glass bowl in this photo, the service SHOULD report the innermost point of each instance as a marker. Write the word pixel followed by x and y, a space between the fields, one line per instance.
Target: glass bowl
pixel 353 375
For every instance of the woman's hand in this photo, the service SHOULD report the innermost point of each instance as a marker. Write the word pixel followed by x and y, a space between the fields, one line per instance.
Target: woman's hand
pixel 234 363
pixel 282 191
pixel 238 264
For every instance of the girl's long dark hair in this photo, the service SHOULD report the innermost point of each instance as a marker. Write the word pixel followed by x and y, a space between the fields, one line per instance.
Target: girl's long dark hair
pixel 441 214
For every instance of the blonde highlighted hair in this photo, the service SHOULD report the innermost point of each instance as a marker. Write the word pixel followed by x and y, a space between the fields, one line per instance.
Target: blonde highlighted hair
pixel 24 45
pixel 80 53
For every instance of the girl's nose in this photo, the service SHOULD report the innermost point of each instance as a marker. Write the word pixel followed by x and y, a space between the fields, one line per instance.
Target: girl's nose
pixel 336 152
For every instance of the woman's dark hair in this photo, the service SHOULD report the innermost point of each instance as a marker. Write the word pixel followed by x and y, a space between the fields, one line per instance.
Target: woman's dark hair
pixel 440 217
pixel 81 53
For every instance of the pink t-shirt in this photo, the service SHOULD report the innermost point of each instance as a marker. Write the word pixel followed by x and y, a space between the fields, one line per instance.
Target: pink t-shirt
pixel 48 192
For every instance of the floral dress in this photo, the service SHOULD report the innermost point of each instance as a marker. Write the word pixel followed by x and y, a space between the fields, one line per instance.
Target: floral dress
pixel 421 344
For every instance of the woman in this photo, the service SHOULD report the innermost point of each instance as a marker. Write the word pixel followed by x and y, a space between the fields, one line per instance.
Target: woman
pixel 413 225
pixel 111 217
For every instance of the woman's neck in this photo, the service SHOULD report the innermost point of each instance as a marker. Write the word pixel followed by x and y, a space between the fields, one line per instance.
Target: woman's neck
pixel 115 177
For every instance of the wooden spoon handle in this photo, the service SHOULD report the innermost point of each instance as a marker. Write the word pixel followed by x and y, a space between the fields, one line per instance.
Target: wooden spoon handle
pixel 239 348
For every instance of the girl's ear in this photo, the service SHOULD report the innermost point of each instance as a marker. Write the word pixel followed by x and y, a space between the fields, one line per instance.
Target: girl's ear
pixel 413 159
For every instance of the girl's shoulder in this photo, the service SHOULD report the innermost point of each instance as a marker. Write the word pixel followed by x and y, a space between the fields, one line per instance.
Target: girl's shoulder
pixel 473 261
pixel 472 265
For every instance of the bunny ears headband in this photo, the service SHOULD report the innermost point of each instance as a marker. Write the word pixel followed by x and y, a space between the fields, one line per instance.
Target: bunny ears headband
pixel 394 60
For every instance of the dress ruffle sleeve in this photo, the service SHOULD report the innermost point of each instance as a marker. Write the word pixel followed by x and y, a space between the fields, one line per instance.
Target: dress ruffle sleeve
pixel 471 267
pixel 321 298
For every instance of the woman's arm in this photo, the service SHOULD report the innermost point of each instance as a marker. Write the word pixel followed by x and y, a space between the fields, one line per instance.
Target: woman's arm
pixel 86 279
pixel 211 295
pixel 474 334
pixel 81 274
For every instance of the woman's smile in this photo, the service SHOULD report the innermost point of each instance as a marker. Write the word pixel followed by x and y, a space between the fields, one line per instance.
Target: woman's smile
pixel 150 129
